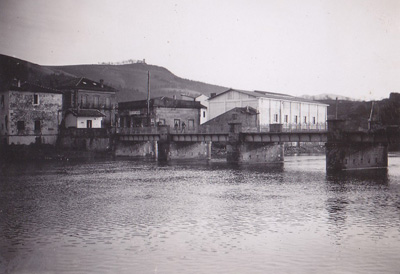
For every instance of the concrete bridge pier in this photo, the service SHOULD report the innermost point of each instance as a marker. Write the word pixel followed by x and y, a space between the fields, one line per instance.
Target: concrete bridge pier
pixel 184 150
pixel 239 151
pixel 350 151
pixel 148 149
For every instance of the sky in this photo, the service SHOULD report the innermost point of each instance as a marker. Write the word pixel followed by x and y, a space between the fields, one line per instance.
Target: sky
pixel 343 47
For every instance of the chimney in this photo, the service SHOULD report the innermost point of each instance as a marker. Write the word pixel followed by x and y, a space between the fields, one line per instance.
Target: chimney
pixel 213 95
pixel 101 83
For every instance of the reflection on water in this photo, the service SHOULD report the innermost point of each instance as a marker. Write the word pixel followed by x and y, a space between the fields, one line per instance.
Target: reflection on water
pixel 132 216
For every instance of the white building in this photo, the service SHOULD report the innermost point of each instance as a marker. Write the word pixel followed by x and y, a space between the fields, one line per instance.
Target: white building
pixel 203 99
pixel 83 118
pixel 293 113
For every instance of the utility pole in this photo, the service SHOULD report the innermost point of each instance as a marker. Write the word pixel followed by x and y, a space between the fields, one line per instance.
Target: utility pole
pixel 148 98
pixel 336 108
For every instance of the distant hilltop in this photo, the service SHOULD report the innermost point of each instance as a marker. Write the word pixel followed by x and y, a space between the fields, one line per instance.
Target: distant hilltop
pixel 327 97
pixel 128 77
pixel 125 62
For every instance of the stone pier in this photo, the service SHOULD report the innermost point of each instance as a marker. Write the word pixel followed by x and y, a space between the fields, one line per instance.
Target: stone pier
pixel 354 150
pixel 239 151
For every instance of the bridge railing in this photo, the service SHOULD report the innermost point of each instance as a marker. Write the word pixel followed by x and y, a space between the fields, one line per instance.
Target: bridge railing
pixel 207 129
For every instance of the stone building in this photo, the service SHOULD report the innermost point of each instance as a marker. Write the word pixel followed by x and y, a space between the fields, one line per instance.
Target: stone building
pixel 162 111
pixel 293 113
pixel 246 116
pixel 83 93
pixel 29 114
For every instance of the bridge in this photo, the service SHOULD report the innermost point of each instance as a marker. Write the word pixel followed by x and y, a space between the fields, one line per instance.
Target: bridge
pixel 344 150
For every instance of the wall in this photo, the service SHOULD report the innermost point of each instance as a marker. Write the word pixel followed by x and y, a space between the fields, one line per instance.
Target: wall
pixel 344 156
pixel 184 114
pixel 47 111
pixel 98 144
pixel 270 153
pixel 228 101
pixel 4 116
pixel 221 122
pixel 184 150
pixel 135 149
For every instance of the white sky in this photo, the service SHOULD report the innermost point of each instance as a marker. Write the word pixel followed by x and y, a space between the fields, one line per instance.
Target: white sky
pixel 345 47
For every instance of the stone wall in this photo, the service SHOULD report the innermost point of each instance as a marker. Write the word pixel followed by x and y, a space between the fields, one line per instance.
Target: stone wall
pixel 269 153
pixel 344 156
pixel 136 149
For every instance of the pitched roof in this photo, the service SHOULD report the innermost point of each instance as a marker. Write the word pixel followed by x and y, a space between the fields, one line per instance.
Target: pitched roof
pixel 29 87
pixel 163 102
pixel 86 113
pixel 267 94
pixel 85 83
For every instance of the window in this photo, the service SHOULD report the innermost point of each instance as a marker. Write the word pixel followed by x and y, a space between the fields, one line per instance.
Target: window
pixel 286 119
pixel 96 101
pixel 20 125
pixel 276 118
pixel 305 119
pixel 313 120
pixel 37 125
pixel 36 99
pixel 295 119
pixel 190 123
pixel 108 102
pixel 204 114
pixel 89 123
pixel 177 123
pixel 234 116
pixel 84 100
pixel 161 121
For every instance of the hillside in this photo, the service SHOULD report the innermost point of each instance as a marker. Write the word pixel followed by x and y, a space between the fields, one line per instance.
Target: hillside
pixel 129 79
pixel 385 112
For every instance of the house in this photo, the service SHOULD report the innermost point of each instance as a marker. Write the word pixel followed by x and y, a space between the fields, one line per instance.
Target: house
pixel 83 93
pixel 294 113
pixel 83 118
pixel 246 116
pixel 29 114
pixel 162 111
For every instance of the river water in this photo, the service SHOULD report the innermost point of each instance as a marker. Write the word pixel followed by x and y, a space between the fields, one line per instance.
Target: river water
pixel 135 216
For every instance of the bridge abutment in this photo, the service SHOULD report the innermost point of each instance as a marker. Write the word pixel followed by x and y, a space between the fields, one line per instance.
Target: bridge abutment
pixel 348 151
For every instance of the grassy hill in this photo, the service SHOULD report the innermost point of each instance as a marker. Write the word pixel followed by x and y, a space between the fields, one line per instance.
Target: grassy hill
pixel 129 79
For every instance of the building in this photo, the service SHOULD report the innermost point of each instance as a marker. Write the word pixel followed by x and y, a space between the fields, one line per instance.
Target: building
pixel 83 93
pixel 162 111
pixel 83 118
pixel 246 116
pixel 203 99
pixel 29 114
pixel 293 113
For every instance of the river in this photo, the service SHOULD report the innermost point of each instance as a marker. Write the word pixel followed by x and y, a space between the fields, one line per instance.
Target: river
pixel 135 216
